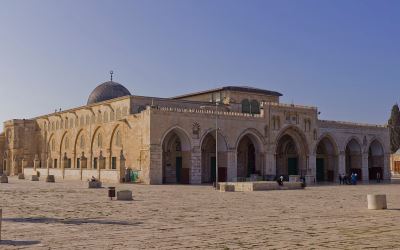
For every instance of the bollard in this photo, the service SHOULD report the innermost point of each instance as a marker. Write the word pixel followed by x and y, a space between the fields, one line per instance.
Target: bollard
pixel 376 201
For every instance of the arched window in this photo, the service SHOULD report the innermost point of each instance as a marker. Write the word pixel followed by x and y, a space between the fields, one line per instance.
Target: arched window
pixel 112 116
pixel 82 142
pixel 118 139
pixel 66 146
pixel 245 106
pixel 254 107
pixel 105 118
pixel 99 140
pixel 118 113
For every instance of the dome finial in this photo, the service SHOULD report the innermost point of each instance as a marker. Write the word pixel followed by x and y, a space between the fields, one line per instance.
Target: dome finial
pixel 111 74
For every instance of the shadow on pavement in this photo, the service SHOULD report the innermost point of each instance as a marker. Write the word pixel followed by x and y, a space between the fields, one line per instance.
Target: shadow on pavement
pixel 71 221
pixel 19 242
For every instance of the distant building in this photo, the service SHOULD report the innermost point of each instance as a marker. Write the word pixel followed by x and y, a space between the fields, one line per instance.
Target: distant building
pixel 173 140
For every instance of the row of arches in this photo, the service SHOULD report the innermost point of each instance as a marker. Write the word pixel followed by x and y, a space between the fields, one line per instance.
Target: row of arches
pixel 291 157
pixel 98 149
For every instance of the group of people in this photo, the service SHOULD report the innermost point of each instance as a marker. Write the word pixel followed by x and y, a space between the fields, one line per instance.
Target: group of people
pixel 349 180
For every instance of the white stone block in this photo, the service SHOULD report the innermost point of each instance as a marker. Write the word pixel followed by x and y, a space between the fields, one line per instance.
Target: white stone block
pixel 124 195
pixel 376 201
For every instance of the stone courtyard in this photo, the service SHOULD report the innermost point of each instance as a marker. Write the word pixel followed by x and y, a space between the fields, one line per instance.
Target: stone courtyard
pixel 68 215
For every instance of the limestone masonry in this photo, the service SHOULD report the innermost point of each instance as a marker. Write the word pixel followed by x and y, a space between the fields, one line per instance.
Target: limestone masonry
pixel 173 140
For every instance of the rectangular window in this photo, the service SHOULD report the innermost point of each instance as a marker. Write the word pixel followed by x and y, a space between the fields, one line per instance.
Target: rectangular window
pixel 55 163
pixel 95 163
pixel 114 163
pixel 69 163
pixel 78 163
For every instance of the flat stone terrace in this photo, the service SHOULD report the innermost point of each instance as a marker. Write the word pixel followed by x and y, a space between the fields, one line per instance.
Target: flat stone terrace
pixel 67 215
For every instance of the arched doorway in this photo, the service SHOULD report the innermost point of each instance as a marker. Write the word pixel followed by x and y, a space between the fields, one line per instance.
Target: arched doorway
pixel 291 154
pixel 353 159
pixel 176 158
pixel 248 157
pixel 208 158
pixel 326 162
pixel 375 160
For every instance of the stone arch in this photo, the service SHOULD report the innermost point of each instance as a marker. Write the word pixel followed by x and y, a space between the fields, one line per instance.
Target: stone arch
pixel 327 152
pixel 376 154
pixel 358 140
pixel 249 151
pixel 353 152
pixel 65 155
pixel 291 152
pixel 98 151
pixel 115 147
pixel 176 156
pixel 81 148
pixel 208 156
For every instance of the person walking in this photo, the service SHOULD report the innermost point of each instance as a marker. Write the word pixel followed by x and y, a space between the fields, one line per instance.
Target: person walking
pixel 340 179
pixel 378 177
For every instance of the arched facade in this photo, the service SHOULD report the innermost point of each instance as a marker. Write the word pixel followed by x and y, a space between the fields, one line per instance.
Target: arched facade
pixel 327 168
pixel 375 160
pixel 353 153
pixel 176 157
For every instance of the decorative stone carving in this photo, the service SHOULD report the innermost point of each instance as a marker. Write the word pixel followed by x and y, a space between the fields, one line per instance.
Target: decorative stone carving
pixel 196 130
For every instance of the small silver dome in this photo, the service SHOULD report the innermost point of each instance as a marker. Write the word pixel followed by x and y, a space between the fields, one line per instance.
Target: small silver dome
pixel 107 91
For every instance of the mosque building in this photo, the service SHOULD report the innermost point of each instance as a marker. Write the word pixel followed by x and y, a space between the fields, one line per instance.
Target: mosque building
pixel 175 140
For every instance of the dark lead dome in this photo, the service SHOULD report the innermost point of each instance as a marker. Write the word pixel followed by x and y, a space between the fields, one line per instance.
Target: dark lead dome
pixel 107 91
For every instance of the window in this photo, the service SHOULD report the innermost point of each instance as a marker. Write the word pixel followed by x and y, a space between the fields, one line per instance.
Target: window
pixel 69 163
pixel 118 139
pixel 55 163
pixel 118 113
pixel 53 144
pixel 254 107
pixel 95 163
pixel 245 106
pixel 105 118
pixel 78 163
pixel 114 163
pixel 99 140
pixel 82 142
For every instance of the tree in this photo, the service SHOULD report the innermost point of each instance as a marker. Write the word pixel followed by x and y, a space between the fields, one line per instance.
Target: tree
pixel 394 126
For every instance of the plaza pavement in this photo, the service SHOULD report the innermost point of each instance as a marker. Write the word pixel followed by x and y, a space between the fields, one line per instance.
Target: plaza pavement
pixel 67 215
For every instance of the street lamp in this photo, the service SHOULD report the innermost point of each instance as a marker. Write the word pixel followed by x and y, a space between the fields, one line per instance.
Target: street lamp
pixel 216 142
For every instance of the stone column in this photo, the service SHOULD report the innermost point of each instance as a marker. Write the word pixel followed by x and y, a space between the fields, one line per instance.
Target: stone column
pixel 342 163
pixel 364 168
pixel 232 165
pixel 64 164
pixel 24 164
pixel 36 162
pixel 311 163
pixel 270 164
pixel 48 165
pixel 195 170
pixel 155 165
pixel 122 167
pixel 386 167
pixel 108 163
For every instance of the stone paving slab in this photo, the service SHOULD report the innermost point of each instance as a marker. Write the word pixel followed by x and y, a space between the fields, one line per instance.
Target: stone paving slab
pixel 68 215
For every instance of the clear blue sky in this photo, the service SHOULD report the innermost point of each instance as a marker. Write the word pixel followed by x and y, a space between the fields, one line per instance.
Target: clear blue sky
pixel 341 56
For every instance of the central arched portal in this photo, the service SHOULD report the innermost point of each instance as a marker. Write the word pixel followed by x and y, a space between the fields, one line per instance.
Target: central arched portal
pixel 327 160
pixel 176 158
pixel 291 154
pixel 353 159
pixel 375 161
pixel 249 160
pixel 209 160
